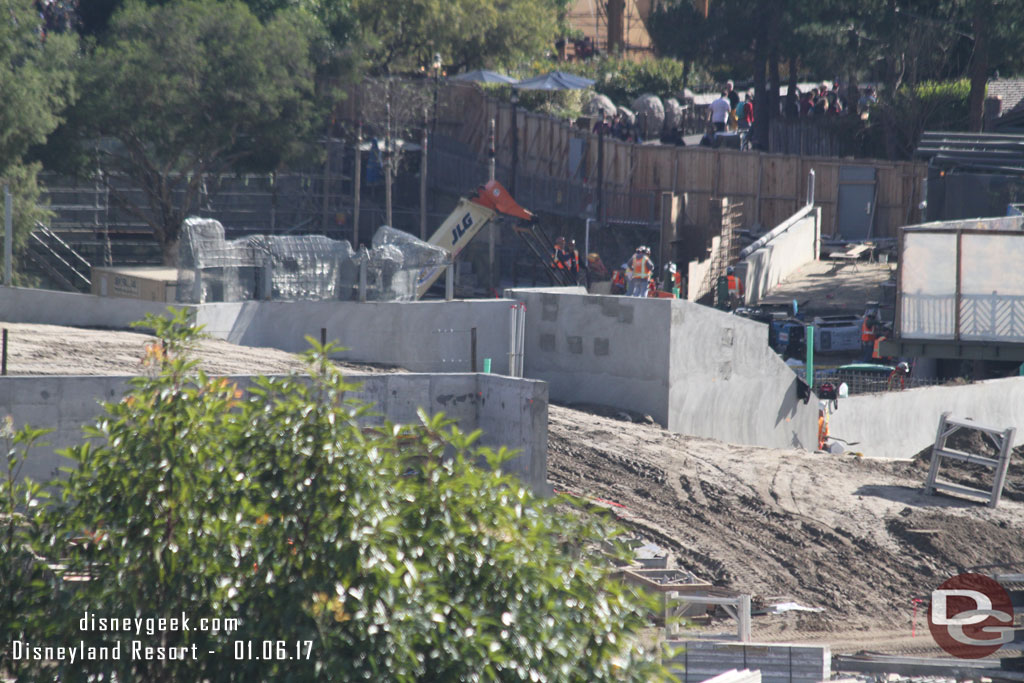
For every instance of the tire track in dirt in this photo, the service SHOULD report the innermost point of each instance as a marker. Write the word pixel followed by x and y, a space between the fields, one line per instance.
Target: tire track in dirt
pixel 828 531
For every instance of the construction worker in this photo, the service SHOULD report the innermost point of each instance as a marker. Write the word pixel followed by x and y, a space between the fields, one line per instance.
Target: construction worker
pixel 899 376
pixel 558 257
pixel 868 335
pixel 618 282
pixel 573 258
pixel 640 268
pixel 735 286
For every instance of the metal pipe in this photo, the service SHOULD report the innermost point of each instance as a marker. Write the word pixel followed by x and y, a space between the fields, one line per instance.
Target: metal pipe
pixel 472 349
pixel 512 340
pixel 8 236
pixel 600 174
pixel 809 338
pixel 810 187
pixel 423 179
pixel 449 281
pixel 586 238
pixel 362 277
pixel 358 172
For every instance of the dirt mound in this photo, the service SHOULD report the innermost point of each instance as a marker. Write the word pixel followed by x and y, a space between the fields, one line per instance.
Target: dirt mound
pixel 967 474
pixel 855 537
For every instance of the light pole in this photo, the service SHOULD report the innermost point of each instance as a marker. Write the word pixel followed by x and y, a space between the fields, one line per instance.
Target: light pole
pixel 514 99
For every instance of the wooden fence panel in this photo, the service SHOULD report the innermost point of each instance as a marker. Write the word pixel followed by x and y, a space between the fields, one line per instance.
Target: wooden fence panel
pixel 771 187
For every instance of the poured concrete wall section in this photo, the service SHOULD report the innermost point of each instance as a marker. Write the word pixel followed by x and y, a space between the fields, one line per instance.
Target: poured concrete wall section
pixel 510 412
pixel 693 369
pixel 900 424
pixel 726 383
pixel 791 248
pixel 608 350
pixel 426 336
pixel 697 284
pixel 50 307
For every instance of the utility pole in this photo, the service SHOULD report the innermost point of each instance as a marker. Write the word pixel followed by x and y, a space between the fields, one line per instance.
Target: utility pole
pixel 423 178
pixel 327 180
pixel 357 172
pixel 387 159
pixel 514 99
pixel 8 236
pixel 491 153
pixel 600 175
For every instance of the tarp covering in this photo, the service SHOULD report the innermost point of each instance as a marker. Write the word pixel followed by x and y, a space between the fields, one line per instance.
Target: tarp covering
pixel 297 267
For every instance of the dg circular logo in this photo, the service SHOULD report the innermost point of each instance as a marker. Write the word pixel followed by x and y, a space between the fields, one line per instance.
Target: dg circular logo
pixel 971 616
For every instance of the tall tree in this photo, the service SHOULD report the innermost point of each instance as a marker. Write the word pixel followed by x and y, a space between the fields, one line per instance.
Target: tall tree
pixel 194 88
pixel 36 82
pixel 995 26
pixel 466 33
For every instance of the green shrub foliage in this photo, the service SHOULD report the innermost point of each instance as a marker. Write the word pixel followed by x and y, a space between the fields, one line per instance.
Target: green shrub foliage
pixel 347 548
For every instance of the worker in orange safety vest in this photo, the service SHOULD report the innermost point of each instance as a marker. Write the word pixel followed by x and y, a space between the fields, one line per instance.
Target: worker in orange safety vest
pixel 868 335
pixel 735 287
pixel 618 282
pixel 639 269
pixel 558 257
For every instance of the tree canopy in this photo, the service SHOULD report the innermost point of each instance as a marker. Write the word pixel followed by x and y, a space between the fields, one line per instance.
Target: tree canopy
pixel 193 88
pixel 467 34
pixel 351 552
pixel 37 82
pixel 895 43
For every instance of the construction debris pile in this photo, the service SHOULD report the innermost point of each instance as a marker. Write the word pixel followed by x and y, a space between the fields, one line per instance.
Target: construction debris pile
pixel 299 267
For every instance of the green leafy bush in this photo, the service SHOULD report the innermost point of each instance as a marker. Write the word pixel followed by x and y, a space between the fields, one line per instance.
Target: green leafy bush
pixel 351 552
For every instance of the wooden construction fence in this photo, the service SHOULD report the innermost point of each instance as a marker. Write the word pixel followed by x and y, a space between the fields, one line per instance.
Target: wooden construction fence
pixel 771 187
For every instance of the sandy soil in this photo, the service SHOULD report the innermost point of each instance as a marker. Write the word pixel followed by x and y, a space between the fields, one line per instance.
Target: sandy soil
pixel 55 350
pixel 855 537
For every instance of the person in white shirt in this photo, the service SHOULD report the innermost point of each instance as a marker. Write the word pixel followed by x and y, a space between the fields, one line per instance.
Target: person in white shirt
pixel 720 109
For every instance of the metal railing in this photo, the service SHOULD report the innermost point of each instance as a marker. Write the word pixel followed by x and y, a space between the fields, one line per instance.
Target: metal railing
pixel 872 382
pixel 59 260
pixel 983 317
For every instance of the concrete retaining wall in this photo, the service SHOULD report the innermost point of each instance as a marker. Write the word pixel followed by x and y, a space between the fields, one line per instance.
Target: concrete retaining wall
pixel 726 383
pixel 792 247
pixel 427 336
pixel 510 412
pixel 608 350
pixel 900 424
pixel 697 273
pixel 50 307
pixel 693 369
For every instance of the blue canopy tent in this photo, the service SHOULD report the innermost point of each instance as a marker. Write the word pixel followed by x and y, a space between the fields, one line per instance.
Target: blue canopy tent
pixel 483 76
pixel 556 80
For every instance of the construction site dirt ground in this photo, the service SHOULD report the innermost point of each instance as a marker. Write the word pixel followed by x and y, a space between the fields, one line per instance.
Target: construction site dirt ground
pixel 855 537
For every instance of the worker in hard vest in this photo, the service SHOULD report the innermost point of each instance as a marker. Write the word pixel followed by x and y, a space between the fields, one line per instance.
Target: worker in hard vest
pixel 868 335
pixel 640 268
pixel 572 258
pixel 618 282
pixel 735 286
pixel 558 257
